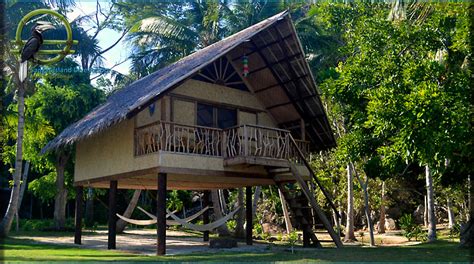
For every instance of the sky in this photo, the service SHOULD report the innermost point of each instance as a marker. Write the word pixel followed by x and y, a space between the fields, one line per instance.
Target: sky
pixel 106 37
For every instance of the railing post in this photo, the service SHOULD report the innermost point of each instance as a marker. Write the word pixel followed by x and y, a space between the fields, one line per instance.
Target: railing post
pixel 224 144
pixel 246 141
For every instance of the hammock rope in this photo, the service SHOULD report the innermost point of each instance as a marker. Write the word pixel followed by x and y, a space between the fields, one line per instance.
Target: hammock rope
pixel 173 222
pixel 142 222
pixel 183 222
pixel 206 227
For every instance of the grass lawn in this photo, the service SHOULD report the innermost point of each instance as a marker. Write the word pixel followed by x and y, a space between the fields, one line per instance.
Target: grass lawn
pixel 441 251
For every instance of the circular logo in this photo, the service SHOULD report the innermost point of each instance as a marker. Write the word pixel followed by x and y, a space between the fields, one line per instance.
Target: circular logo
pixel 60 54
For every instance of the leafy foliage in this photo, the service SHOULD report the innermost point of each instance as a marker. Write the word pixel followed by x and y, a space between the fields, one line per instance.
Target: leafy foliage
pixel 410 228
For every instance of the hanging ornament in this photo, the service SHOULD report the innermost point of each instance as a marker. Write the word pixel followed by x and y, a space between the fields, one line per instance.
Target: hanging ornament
pixel 151 109
pixel 245 62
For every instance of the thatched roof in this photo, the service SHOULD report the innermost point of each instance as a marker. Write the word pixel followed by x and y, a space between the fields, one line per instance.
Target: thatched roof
pixel 301 104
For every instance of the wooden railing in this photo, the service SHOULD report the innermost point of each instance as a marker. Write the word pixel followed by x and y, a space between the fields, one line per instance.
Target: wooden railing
pixel 257 141
pixel 171 137
pixel 244 140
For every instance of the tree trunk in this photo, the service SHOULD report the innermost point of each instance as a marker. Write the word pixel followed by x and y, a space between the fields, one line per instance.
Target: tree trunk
pixel 350 237
pixel 451 219
pixel 467 230
pixel 222 201
pixel 221 230
pixel 128 212
pixel 381 227
pixel 425 212
pixel 431 205
pixel 256 197
pixel 61 194
pixel 367 214
pixel 365 186
pixel 12 208
pixel 284 207
pixel 24 183
pixel 89 214
pixel 470 196
pixel 239 228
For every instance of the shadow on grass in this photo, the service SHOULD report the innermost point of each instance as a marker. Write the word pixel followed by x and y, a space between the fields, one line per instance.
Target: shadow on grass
pixel 440 251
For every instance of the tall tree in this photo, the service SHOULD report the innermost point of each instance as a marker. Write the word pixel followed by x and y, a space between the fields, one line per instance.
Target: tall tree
pixel 14 11
pixel 403 102
pixel 350 236
pixel 60 100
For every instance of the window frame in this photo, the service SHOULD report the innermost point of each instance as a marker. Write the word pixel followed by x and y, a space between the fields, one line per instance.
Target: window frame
pixel 215 111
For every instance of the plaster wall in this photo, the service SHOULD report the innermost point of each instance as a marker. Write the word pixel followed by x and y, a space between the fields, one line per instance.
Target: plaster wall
pixel 150 114
pixel 110 152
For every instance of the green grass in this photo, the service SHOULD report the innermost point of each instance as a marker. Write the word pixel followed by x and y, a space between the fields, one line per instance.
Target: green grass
pixel 441 251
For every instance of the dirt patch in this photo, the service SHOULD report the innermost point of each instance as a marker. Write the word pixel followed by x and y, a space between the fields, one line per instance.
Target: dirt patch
pixel 144 242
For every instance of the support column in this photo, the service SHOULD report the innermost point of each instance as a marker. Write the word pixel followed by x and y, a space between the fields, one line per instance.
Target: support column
pixel 205 215
pixel 249 215
pixel 78 216
pixel 306 235
pixel 161 214
pixel 112 215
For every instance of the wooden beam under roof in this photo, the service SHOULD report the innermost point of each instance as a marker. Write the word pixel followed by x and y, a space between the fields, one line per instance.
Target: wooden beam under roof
pixel 279 61
pixel 286 60
pixel 254 51
pixel 279 83
pixel 302 107
pixel 278 105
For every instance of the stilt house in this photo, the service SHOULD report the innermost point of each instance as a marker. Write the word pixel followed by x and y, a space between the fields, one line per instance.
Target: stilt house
pixel 242 112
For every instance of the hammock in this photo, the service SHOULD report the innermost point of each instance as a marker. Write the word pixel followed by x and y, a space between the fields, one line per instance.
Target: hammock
pixel 201 228
pixel 173 222
pixel 142 222
pixel 153 220
pixel 206 227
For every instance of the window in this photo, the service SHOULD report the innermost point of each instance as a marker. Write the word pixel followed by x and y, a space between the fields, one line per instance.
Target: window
pixel 211 116
pixel 205 115
pixel 226 117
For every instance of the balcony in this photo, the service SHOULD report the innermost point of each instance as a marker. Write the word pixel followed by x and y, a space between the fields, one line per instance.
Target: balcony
pixel 244 144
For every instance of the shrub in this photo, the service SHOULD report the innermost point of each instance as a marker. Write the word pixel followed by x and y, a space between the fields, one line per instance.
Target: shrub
pixel 35 224
pixel 292 238
pixel 231 224
pixel 266 236
pixel 410 228
pixel 280 236
pixel 257 229
pixel 455 231
pixel 43 224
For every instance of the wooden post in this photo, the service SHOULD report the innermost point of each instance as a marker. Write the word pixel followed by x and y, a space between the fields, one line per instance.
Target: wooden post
pixel 249 215
pixel 161 214
pixel 112 216
pixel 205 215
pixel 306 239
pixel 303 129
pixel 78 216
pixel 284 207
pixel 306 235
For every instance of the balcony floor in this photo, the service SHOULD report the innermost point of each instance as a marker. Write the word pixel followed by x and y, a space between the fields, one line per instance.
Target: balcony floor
pixel 264 161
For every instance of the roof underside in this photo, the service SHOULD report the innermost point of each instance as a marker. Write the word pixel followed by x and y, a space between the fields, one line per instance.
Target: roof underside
pixel 278 75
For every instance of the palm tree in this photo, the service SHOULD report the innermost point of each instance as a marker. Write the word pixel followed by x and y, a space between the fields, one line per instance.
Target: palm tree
pixel 159 38
pixel 13 13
